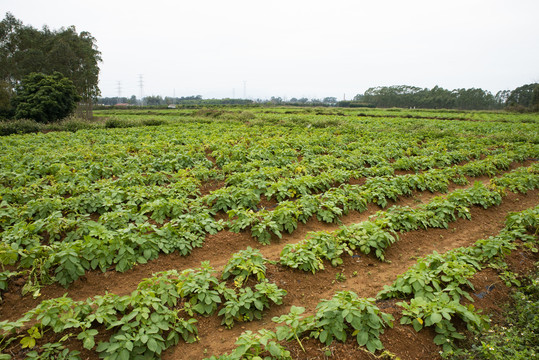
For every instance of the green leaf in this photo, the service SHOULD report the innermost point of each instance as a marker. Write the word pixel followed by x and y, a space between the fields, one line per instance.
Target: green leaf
pixel 362 338
pixel 417 325
pixel 274 349
pixel 440 339
pixel 435 318
pixel 371 346
pixel 144 338
pixel 152 345
pixel 123 355
pixel 324 336
pixel 88 343
pixel 28 342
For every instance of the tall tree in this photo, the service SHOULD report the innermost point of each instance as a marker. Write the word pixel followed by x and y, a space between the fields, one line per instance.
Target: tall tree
pixel 522 95
pixel 24 50
pixel 474 99
pixel 534 104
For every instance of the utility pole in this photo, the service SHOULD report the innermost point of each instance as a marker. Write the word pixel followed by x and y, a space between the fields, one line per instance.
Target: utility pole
pixel 141 85
pixel 244 89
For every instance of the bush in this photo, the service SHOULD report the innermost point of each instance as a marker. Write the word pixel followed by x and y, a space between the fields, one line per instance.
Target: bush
pixel 209 113
pixel 45 98
pixel 246 115
pixel 153 122
pixel 21 126
pixel 73 124
pixel 118 123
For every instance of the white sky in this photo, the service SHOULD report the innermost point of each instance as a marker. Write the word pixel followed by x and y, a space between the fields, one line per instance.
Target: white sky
pixel 299 48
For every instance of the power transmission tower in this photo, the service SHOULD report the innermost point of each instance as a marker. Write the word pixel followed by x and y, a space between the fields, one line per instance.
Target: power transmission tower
pixel 119 88
pixel 141 86
pixel 244 89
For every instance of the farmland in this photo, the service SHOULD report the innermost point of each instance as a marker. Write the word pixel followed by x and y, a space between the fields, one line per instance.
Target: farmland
pixel 172 233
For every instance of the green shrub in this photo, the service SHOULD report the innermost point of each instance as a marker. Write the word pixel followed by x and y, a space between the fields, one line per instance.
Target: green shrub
pixel 246 115
pixel 153 122
pixel 118 123
pixel 73 124
pixel 45 98
pixel 20 126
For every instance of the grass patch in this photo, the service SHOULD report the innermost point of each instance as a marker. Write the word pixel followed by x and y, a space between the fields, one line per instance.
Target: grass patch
pixel 518 337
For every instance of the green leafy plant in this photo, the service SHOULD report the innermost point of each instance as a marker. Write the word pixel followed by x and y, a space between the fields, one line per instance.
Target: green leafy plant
pixel 366 237
pixel 434 273
pixel 347 314
pixel 252 346
pixel 327 246
pixel 248 305
pixel 245 263
pixel 301 256
pixel 439 313
pixel 201 287
pixel 53 351
pixel 294 325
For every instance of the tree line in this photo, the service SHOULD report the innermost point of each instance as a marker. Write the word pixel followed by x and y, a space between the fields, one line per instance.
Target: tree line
pixel 157 100
pixel 55 54
pixel 522 98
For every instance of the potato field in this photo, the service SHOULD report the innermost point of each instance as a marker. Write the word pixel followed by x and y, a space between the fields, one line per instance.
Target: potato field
pixel 265 233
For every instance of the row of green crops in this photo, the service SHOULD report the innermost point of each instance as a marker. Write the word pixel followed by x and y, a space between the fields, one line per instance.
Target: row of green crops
pixel 377 234
pixel 148 321
pixel 102 199
pixel 160 311
pixel 157 314
pixel 433 288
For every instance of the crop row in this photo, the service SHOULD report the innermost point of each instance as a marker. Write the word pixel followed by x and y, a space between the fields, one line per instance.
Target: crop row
pixel 380 232
pixel 331 205
pixel 434 288
pixel 123 238
pixel 161 311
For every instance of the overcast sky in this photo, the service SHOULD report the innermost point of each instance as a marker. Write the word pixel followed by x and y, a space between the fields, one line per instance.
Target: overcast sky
pixel 299 48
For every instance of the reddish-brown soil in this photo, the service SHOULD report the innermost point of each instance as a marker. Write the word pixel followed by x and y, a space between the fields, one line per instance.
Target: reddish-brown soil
pixel 210 186
pixel 365 275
